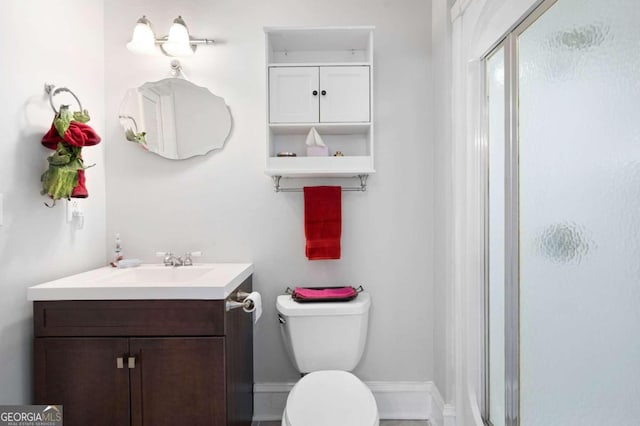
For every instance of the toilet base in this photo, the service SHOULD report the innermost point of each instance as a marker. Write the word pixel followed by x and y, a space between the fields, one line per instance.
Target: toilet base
pixel 330 398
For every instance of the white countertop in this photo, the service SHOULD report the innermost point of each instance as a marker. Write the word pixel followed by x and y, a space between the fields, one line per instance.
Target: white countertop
pixel 209 281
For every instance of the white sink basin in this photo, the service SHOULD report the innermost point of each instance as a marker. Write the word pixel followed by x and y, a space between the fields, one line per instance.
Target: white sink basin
pixel 157 274
pixel 201 281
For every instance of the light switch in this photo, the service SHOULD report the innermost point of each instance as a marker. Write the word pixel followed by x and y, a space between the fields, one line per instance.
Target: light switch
pixel 73 206
pixel 75 215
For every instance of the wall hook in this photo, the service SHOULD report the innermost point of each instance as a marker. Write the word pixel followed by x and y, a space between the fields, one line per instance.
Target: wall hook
pixel 176 70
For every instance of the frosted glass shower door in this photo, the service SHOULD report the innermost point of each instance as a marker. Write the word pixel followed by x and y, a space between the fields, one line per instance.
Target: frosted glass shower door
pixel 579 213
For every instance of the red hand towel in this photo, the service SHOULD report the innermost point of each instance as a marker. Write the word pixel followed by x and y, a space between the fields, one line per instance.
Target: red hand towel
pixel 322 221
pixel 78 134
pixel 80 190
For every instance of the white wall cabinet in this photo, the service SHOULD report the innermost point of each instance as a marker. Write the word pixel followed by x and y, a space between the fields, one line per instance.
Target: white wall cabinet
pixel 329 94
pixel 322 78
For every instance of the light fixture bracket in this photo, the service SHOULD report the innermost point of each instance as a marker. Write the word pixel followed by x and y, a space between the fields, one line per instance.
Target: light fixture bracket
pixel 193 42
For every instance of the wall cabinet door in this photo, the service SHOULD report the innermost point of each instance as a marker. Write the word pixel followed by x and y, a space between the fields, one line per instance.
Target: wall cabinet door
pixel 344 94
pixel 319 94
pixel 293 95
pixel 178 381
pixel 82 375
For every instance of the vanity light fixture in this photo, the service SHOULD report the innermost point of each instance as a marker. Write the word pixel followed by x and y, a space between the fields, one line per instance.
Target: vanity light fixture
pixel 177 43
pixel 143 39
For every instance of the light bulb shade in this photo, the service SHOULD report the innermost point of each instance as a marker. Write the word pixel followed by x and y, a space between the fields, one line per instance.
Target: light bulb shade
pixel 143 39
pixel 178 43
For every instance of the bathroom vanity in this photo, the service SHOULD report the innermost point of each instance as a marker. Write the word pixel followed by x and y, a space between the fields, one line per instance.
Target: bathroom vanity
pixel 153 346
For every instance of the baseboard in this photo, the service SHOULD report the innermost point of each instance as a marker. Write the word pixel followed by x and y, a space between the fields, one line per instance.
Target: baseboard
pixel 269 400
pixel 396 400
pixel 442 414
pixel 449 414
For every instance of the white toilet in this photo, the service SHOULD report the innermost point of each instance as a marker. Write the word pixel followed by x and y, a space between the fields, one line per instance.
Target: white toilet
pixel 326 340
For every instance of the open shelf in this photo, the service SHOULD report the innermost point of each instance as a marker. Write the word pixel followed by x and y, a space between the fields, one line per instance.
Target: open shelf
pixel 304 45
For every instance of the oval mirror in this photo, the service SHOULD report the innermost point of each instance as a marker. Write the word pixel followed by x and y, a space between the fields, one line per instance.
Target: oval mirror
pixel 175 119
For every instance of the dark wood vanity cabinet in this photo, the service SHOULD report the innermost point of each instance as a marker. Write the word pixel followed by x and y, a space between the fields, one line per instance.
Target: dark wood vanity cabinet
pixel 145 362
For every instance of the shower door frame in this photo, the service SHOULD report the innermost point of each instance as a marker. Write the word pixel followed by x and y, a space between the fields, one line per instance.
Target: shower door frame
pixel 512 213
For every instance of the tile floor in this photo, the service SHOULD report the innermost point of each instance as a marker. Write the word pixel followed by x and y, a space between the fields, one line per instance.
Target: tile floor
pixel 382 423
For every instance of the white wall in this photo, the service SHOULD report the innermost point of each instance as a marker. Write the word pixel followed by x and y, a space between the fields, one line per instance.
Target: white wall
pixel 60 43
pixel 441 42
pixel 224 205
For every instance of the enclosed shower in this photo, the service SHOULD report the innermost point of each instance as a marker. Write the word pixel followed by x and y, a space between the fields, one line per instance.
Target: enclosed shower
pixel 562 116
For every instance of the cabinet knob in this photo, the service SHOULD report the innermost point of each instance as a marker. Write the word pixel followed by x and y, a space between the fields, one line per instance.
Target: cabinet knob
pixel 132 362
pixel 315 93
pixel 324 92
pixel 120 362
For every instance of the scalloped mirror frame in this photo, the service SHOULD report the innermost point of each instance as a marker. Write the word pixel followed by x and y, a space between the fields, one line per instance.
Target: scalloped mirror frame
pixel 175 118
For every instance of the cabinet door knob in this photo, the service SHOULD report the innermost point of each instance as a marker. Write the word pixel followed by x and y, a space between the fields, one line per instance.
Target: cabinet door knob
pixel 315 93
pixel 120 362
pixel 324 92
pixel 132 362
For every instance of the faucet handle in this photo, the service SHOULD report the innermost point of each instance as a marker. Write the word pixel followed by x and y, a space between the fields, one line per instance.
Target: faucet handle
pixel 168 256
pixel 188 255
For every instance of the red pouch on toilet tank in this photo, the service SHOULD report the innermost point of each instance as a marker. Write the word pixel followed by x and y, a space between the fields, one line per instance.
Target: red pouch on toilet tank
pixel 324 294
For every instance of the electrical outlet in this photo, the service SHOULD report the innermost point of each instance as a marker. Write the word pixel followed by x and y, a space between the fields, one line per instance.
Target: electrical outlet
pixel 73 206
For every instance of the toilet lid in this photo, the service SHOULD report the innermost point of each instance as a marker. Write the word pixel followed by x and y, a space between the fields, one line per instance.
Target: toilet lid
pixel 335 398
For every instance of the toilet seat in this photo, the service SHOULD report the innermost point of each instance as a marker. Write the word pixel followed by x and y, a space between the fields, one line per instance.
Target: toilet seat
pixel 330 398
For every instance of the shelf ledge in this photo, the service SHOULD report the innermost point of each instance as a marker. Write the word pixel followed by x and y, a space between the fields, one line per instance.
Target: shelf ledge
pixel 319 64
pixel 324 128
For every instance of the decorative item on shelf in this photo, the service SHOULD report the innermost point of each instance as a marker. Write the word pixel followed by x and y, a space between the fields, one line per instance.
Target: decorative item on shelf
pixel 315 144
pixel 286 154
pixel 68 134
pixel 177 43
pixel 338 154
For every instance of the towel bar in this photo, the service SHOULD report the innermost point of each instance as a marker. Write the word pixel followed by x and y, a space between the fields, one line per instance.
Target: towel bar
pixel 361 188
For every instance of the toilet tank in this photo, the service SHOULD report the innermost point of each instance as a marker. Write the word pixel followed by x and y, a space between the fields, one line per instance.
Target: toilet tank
pixel 324 336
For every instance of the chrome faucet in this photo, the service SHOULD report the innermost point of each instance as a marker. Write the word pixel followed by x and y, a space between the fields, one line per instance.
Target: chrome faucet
pixel 171 260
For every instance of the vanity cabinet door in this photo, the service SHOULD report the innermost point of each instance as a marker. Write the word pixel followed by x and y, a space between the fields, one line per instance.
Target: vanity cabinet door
pixel 239 365
pixel 293 95
pixel 178 381
pixel 83 375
